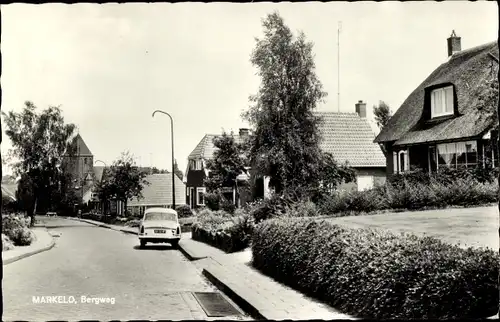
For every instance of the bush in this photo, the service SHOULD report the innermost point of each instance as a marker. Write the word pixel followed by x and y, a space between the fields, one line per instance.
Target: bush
pixel 133 223
pixel 408 194
pixel 22 236
pixel 376 274
pixel 12 222
pixel 212 201
pixel 221 230
pixel 6 243
pixel 184 211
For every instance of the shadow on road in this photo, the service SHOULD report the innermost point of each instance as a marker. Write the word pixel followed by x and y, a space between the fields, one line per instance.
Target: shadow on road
pixel 154 247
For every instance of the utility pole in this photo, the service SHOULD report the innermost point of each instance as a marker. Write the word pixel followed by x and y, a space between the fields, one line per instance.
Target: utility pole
pixel 338 64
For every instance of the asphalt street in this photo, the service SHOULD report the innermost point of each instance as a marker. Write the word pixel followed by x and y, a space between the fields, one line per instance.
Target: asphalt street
pixel 98 263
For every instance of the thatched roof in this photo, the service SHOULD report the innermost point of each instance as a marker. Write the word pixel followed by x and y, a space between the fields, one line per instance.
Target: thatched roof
pixel 466 70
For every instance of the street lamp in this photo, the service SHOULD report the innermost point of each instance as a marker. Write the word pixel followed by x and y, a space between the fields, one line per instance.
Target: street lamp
pixel 173 159
pixel 105 166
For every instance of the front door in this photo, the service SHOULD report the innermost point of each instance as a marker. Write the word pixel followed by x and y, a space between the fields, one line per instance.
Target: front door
pixel 192 195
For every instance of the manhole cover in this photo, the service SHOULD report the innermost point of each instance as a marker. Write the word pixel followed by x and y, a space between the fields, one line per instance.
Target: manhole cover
pixel 215 305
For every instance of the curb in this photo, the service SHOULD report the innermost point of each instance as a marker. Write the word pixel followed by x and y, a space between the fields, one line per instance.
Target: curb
pixel 237 299
pixel 28 254
pixel 188 254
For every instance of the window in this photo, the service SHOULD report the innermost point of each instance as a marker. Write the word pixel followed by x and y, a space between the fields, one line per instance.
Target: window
pixel 160 216
pixel 459 154
pixel 401 161
pixel 442 101
pixel 404 162
pixel 200 198
pixel 195 164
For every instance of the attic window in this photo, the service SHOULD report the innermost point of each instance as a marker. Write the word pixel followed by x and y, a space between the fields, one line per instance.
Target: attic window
pixel 442 101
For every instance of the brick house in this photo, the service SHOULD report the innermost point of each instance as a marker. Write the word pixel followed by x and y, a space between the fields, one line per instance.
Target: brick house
pixel 197 171
pixel 443 122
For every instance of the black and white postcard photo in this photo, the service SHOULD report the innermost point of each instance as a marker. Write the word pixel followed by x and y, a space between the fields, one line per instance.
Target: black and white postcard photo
pixel 244 161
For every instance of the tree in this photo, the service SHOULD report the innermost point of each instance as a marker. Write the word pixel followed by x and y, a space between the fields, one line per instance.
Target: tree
pixel 334 174
pixel 177 171
pixel 124 180
pixel 39 143
pixel 226 164
pixel 285 146
pixel 382 114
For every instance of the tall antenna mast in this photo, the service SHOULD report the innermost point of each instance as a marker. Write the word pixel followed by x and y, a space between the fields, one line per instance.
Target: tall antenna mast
pixel 338 64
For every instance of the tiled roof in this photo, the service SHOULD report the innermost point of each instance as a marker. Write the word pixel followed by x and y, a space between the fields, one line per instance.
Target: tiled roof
pixel 466 70
pixel 205 149
pixel 348 137
pixel 159 191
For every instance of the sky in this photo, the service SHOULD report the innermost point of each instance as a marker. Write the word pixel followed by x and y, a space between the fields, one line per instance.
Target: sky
pixel 110 66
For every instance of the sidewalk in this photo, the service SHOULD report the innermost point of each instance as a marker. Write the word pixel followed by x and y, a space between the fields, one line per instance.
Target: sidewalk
pixel 256 293
pixel 125 229
pixel 43 242
pixel 253 291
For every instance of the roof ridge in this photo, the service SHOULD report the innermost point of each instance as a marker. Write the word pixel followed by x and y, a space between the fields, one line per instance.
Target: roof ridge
pixel 472 49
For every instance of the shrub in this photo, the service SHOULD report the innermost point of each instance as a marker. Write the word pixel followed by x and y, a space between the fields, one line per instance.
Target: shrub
pixel 12 222
pixel 274 206
pixel 302 209
pixel 212 200
pixel 376 274
pixel 6 243
pixel 133 223
pixel 221 230
pixel 408 194
pixel 184 211
pixel 22 236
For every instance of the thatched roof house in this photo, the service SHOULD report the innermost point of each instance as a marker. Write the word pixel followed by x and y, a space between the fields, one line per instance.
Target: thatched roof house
pixel 446 121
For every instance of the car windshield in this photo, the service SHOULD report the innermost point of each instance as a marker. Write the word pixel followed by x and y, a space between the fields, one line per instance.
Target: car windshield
pixel 160 216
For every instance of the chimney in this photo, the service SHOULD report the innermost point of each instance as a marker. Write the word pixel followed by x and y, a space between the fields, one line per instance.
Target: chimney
pixel 361 109
pixel 454 44
pixel 244 132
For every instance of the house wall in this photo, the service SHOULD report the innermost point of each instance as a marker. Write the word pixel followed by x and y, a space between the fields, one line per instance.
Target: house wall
pixel 389 164
pixel 377 176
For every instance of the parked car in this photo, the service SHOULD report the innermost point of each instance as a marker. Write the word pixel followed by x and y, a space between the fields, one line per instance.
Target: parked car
pixel 51 214
pixel 160 225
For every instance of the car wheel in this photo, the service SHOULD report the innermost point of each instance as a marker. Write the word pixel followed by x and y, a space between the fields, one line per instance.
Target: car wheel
pixel 143 243
pixel 174 243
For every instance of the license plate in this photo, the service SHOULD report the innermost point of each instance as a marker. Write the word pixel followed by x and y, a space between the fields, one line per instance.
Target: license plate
pixel 160 231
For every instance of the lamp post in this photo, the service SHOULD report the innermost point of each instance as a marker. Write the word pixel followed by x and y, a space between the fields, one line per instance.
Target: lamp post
pixel 105 165
pixel 173 158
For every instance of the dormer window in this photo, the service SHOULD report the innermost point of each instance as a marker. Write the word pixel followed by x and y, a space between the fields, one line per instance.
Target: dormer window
pixel 442 101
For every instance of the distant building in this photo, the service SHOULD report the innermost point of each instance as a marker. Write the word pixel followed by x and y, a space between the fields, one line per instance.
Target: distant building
pixel 80 166
pixel 158 193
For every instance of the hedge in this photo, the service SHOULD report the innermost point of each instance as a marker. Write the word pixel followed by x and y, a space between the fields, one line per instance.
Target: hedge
pixel 407 195
pixel 230 234
pixel 377 274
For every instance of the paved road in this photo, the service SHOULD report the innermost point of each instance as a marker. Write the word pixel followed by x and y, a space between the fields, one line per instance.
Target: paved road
pixel 151 283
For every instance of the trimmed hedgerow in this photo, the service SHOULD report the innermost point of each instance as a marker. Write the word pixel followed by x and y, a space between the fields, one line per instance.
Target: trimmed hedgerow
pixel 230 234
pixel 377 274
pixel 411 195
